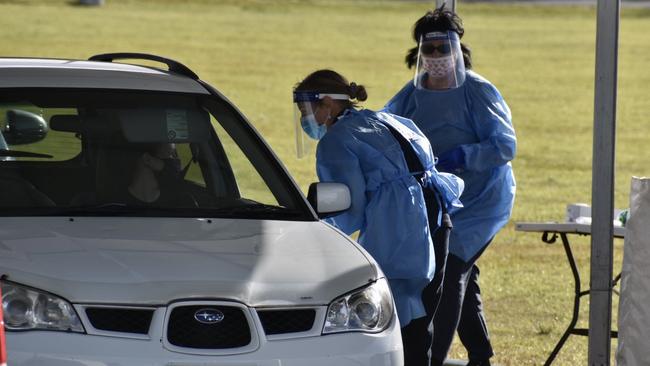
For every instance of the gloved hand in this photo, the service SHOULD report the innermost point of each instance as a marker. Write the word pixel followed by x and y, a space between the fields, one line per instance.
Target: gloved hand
pixel 451 161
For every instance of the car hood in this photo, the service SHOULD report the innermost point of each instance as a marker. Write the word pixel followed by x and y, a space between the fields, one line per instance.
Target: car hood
pixel 153 261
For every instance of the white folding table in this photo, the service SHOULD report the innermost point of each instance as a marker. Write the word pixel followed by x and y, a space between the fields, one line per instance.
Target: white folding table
pixel 550 231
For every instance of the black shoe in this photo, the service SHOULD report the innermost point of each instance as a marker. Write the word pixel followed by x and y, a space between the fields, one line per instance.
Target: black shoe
pixel 479 362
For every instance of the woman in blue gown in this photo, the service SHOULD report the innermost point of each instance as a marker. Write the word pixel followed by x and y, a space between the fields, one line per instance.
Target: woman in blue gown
pixel 376 155
pixel 470 129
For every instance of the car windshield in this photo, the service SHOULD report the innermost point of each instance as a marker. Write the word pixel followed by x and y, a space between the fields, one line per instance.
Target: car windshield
pixel 111 152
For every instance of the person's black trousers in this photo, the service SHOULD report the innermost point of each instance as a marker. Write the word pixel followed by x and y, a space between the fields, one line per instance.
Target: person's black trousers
pixel 417 336
pixel 461 309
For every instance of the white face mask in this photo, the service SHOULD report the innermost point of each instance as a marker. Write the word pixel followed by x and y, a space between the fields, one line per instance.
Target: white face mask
pixel 438 67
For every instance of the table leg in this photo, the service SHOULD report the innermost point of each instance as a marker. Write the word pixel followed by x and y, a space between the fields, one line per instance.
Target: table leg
pixel 576 299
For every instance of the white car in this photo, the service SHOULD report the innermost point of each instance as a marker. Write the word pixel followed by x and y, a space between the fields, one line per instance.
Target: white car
pixel 224 264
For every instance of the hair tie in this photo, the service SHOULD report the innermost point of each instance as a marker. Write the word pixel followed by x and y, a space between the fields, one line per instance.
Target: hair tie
pixel 353 90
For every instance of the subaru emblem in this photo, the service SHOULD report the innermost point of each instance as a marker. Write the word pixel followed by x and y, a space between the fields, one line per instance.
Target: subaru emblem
pixel 208 316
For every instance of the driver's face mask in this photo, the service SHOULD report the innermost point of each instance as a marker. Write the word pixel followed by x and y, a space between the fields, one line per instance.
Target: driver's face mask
pixel 171 173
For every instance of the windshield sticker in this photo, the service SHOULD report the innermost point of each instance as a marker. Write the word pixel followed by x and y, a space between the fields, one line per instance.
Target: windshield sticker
pixel 177 128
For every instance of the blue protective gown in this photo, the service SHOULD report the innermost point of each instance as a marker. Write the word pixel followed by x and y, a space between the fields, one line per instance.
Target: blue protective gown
pixel 388 206
pixel 476 118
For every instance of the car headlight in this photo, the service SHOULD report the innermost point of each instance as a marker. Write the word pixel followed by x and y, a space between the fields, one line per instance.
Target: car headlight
pixel 26 308
pixel 369 309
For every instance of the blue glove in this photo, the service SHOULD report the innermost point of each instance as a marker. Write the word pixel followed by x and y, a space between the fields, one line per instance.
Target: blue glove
pixel 451 161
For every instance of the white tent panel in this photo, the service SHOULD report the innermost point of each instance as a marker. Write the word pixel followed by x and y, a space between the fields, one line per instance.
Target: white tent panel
pixel 633 309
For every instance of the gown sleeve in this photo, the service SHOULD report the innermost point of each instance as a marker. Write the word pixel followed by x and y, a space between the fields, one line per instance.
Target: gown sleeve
pixel 493 125
pixel 335 162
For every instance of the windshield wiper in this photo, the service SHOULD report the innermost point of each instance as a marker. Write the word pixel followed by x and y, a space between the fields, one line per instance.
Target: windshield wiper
pixel 105 209
pixel 256 208
pixel 120 209
pixel 23 154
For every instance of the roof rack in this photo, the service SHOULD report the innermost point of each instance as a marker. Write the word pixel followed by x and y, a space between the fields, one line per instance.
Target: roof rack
pixel 174 66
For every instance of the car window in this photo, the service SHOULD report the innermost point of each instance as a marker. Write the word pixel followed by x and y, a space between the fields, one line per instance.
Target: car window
pixel 250 184
pixel 107 152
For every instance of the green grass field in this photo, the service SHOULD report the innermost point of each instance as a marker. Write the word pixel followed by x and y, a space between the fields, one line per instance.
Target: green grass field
pixel 541 58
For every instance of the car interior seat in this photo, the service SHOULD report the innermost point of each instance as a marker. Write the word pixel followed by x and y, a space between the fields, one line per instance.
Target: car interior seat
pixel 16 191
pixel 114 170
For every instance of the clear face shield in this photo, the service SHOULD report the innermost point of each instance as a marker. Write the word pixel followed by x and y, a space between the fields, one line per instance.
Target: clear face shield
pixel 440 62
pixel 308 129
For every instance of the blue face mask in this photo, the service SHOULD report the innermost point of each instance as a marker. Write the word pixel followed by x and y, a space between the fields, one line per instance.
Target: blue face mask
pixel 312 128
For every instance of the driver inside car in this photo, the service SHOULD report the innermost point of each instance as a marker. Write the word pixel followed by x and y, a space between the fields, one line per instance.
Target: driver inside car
pixel 157 178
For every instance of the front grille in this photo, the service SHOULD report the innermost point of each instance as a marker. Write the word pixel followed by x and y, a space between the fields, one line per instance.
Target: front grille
pixel 184 330
pixel 287 321
pixel 120 320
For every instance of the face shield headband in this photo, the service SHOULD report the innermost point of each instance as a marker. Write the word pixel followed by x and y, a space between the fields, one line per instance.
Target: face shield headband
pixel 308 96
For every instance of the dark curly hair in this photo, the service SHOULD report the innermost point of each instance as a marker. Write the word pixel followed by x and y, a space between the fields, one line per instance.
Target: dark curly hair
pixel 438 20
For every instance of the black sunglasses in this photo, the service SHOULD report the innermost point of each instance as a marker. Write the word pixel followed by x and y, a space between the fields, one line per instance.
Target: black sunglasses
pixel 443 49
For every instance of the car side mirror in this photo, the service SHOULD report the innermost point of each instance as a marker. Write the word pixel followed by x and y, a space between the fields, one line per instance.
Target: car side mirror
pixel 329 199
pixel 24 127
